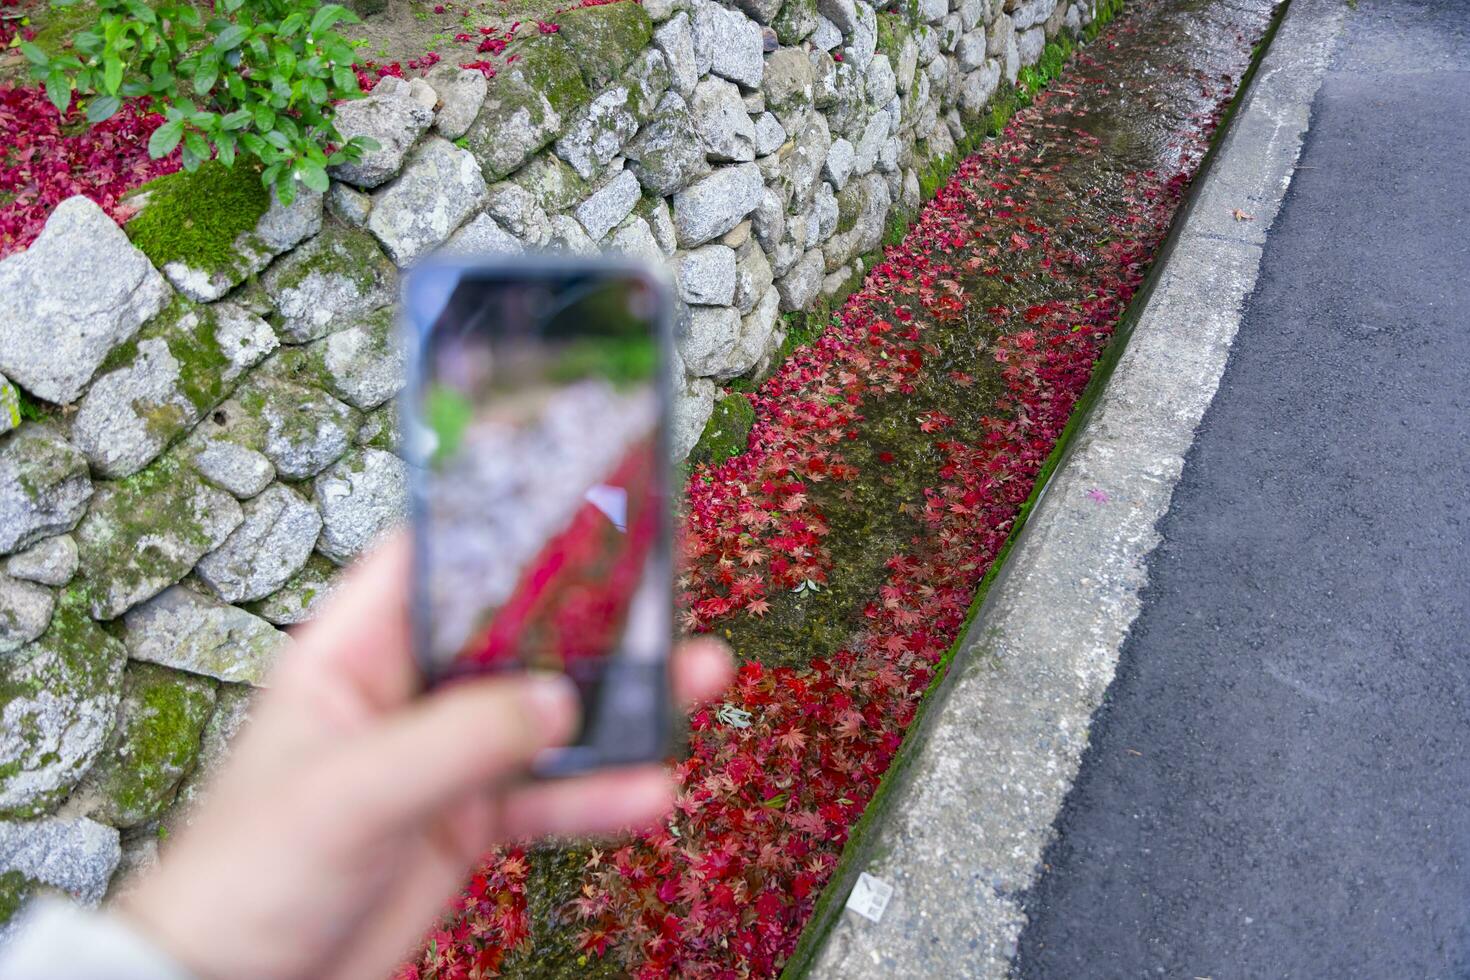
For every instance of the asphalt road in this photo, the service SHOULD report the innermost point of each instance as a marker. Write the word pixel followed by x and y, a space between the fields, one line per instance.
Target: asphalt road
pixel 1279 782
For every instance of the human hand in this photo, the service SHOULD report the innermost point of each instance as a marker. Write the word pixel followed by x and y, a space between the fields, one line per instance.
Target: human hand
pixel 352 806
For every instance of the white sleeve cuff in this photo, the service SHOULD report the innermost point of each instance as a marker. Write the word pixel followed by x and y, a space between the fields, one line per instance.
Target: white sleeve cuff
pixel 57 940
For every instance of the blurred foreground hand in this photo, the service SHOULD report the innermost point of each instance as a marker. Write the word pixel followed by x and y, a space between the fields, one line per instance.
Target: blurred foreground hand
pixel 353 806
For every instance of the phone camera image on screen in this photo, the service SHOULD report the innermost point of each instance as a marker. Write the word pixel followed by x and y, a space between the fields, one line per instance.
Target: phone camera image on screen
pixel 541 531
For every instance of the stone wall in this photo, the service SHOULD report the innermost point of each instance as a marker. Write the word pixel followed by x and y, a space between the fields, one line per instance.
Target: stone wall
pixel 210 388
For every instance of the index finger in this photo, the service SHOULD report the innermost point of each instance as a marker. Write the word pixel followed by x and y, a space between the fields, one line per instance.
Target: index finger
pixel 363 640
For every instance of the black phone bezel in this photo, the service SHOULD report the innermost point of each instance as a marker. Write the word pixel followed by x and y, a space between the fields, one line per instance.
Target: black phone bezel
pixel 608 746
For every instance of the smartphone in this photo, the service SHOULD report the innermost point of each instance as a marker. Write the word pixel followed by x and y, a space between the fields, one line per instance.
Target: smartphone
pixel 535 419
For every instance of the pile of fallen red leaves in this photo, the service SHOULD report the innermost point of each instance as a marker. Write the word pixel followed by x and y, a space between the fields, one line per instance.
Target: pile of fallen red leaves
pixel 781 770
pixel 46 157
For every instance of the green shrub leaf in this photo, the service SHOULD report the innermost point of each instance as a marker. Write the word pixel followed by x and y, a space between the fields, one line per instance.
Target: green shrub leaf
pixel 229 78
pixel 313 175
pixel 102 107
pixel 326 16
pixel 34 54
pixel 58 90
pixel 165 138
pixel 231 37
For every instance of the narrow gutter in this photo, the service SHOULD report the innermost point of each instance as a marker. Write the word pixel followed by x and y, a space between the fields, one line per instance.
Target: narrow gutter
pixel 861 844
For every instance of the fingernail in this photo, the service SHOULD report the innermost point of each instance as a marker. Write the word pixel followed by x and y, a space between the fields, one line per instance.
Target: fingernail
pixel 554 704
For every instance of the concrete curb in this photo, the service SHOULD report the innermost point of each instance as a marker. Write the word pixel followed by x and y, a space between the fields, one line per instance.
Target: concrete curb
pixel 963 830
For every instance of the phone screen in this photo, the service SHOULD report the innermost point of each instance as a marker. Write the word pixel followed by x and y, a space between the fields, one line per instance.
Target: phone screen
pixel 536 420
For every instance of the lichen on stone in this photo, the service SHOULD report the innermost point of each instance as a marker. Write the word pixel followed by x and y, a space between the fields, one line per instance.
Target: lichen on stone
pixel 796 20
pixel 321 286
pixel 301 597
pixel 58 701
pixel 361 497
pixel 363 365
pixel 44 485
pixel 183 629
pixel 381 428
pixel 553 184
pixel 526 105
pixel 155 387
pixel 301 429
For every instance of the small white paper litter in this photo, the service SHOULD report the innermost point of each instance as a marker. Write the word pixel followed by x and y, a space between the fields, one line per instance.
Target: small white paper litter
pixel 870 897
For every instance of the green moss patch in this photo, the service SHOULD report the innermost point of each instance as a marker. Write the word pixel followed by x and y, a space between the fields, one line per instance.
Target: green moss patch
pixel 144 533
pixel 154 745
pixel 55 25
pixel 196 218
pixel 726 432
pixel 10 404
pixel 550 69
pixel 893 30
pixel 15 888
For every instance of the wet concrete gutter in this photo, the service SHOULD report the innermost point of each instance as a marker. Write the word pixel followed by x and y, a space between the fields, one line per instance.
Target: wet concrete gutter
pixel 961 832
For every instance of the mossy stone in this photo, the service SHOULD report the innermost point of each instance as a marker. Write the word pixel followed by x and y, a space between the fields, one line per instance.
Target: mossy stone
pixel 59 698
pixel 362 365
pixel 156 386
pixel 381 429
pixel 44 485
pixel 795 21
pixel 146 532
pixel 196 217
pixel 232 705
pixel 186 630
pixel 300 428
pixel 726 432
pixel 527 105
pixel 647 80
pixel 321 286
pixel 893 30
pixel 848 211
pixel 553 184
pixel 301 597
pixel 153 747
pixel 605 39
pixel 549 64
